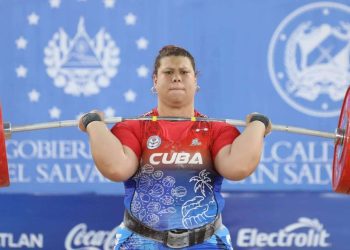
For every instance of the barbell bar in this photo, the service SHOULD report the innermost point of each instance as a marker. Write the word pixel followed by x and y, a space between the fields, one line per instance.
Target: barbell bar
pixel 341 138
pixel 111 120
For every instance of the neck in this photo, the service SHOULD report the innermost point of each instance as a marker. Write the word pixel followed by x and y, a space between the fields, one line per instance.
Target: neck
pixel 187 111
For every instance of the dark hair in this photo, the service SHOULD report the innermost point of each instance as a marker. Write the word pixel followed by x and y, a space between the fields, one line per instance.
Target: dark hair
pixel 172 50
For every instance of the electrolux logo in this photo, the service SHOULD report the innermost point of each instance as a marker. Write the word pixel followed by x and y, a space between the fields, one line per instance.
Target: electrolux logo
pixel 305 232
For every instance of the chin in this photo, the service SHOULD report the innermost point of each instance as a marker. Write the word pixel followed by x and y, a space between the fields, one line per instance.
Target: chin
pixel 178 103
pixel 176 95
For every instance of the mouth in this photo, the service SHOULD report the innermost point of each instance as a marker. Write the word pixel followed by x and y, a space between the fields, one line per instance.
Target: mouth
pixel 176 89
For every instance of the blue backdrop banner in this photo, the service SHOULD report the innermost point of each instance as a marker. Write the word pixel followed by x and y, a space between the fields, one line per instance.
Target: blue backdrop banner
pixel 60 58
pixel 297 220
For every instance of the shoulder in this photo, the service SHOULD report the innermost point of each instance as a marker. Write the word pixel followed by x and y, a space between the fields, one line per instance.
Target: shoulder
pixel 128 124
pixel 199 114
pixel 217 126
pixel 150 113
pixel 222 128
pixel 133 125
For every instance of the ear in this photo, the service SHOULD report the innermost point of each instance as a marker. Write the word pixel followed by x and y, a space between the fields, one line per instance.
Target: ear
pixel 155 79
pixel 197 88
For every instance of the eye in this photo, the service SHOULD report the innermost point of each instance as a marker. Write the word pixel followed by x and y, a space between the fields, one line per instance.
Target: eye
pixel 184 72
pixel 168 72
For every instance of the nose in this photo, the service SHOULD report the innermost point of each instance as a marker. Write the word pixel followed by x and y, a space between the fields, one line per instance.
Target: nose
pixel 176 77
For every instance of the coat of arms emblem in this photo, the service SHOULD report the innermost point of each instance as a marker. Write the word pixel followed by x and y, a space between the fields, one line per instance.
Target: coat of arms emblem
pixel 309 58
pixel 81 65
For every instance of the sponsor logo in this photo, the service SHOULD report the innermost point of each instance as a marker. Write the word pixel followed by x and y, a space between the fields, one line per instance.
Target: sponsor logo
pixel 304 233
pixel 24 240
pixel 80 237
pixel 154 142
pixel 175 158
pixel 308 58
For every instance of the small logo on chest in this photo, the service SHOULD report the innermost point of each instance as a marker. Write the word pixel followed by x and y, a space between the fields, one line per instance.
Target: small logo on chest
pixel 154 142
pixel 196 142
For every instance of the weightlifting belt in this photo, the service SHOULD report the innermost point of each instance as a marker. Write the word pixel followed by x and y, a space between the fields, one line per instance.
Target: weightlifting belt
pixel 175 238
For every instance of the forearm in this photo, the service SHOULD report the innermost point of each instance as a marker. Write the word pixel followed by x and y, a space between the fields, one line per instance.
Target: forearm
pixel 242 157
pixel 248 148
pixel 109 154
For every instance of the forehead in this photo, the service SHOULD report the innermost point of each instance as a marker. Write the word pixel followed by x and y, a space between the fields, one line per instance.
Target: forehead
pixel 175 62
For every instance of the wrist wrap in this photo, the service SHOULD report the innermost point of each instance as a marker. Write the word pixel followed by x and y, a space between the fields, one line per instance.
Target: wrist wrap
pixel 90 117
pixel 260 118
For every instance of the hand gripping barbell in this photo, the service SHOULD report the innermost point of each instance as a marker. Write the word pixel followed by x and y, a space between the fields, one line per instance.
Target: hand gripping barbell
pixel 341 137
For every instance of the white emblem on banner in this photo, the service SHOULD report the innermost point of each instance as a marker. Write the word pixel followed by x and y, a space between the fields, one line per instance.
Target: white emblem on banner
pixel 309 58
pixel 81 65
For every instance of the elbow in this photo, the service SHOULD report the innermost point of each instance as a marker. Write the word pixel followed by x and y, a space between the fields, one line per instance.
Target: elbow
pixel 243 169
pixel 116 167
pixel 238 175
pixel 117 177
pixel 114 174
pixel 112 171
pixel 236 172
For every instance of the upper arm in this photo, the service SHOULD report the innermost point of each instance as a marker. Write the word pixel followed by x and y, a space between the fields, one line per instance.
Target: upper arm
pixel 221 157
pixel 228 165
pixel 222 138
pixel 240 159
pixel 131 164
pixel 223 135
pixel 129 135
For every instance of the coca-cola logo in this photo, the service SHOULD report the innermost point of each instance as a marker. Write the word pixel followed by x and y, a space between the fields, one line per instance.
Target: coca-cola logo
pixel 80 238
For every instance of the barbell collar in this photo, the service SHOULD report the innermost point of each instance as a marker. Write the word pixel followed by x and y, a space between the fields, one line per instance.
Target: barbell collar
pixel 7 130
pixel 340 135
